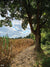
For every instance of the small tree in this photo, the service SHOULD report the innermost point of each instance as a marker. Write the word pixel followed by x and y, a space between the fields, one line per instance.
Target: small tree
pixel 34 12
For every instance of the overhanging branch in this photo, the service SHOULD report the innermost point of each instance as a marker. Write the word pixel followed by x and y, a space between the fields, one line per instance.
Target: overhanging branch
pixel 26 6
pixel 32 29
pixel 30 23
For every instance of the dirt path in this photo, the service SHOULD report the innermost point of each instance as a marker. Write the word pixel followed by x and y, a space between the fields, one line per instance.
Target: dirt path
pixel 24 59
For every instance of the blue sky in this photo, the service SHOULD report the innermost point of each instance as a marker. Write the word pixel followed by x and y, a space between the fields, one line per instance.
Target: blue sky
pixel 15 31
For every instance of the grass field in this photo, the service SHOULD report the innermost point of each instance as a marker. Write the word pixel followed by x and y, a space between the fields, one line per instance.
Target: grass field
pixel 15 46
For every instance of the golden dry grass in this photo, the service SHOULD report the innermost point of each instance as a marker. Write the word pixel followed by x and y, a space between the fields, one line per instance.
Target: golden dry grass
pixel 20 44
pixel 15 46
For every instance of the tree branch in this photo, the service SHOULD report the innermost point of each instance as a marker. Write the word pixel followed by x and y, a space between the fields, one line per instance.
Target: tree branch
pixel 30 23
pixel 38 16
pixel 26 6
pixel 32 30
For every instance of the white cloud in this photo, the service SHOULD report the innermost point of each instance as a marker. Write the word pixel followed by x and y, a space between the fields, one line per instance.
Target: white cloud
pixel 15 31
pixel 1 18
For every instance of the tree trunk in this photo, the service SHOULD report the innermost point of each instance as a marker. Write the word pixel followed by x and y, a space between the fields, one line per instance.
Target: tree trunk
pixel 38 32
pixel 38 42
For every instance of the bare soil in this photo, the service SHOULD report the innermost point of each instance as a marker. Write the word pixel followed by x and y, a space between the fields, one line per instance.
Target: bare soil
pixel 25 58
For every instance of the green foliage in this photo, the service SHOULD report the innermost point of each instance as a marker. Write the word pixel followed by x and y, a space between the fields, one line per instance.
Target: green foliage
pixel 5 22
pixel 42 60
pixel 30 36
pixel 34 12
pixel 48 42
pixel 21 9
pixel 43 40
pixel 5 41
pixel 10 24
pixel 0 24
pixel 48 36
pixel 46 62
pixel 46 49
pixel 45 37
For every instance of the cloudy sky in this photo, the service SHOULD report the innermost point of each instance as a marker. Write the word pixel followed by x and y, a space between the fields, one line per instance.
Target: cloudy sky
pixel 15 31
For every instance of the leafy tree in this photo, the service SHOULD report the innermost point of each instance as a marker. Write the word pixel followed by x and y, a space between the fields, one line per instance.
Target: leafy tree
pixel 34 12
pixel 30 36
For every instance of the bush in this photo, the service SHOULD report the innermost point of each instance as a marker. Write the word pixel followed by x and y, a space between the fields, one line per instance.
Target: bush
pixel 44 41
pixel 47 42
pixel 30 36
pixel 48 36
pixel 46 62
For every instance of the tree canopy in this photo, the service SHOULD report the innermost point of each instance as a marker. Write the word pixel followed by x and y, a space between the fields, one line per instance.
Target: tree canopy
pixel 34 12
pixel 22 9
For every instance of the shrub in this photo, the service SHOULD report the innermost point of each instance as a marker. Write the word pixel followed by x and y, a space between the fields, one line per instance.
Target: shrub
pixel 47 42
pixel 46 62
pixel 43 41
